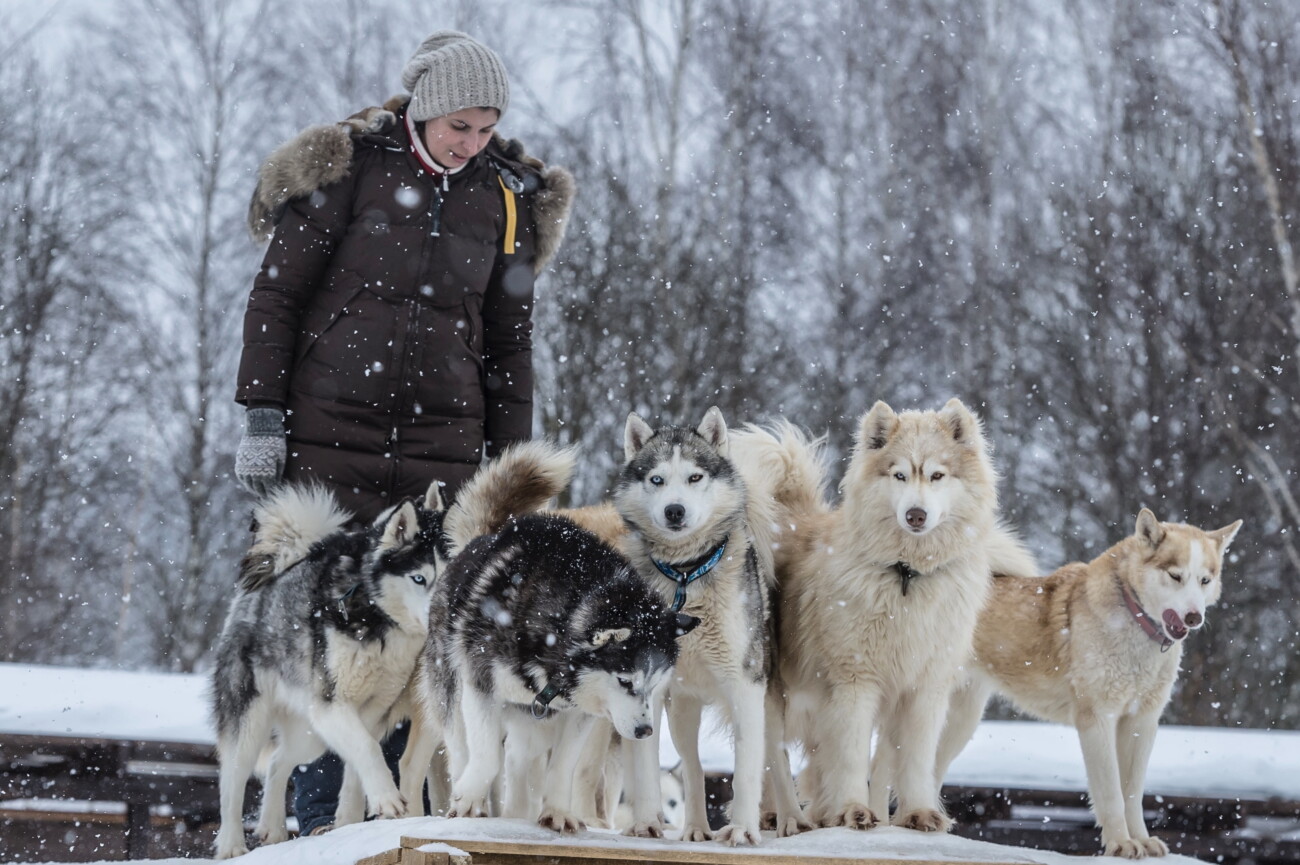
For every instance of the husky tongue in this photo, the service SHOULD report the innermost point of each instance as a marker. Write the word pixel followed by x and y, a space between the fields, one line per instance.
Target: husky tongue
pixel 1174 625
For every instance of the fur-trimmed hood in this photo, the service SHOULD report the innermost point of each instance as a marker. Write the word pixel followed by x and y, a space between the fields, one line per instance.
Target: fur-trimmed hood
pixel 321 155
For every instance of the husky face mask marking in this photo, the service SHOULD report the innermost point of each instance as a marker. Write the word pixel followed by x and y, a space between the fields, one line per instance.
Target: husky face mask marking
pixel 1180 577
pixel 677 480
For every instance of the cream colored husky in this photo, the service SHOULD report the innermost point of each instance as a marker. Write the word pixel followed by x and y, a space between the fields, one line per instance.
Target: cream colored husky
pixel 879 597
pixel 1097 645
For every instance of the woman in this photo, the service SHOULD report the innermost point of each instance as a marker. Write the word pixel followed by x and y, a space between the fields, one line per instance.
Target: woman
pixel 387 341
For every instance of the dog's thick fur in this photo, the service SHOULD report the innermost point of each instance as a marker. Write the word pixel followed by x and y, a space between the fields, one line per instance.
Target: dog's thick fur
pixel 321 641
pixel 879 598
pixel 682 499
pixel 1069 648
pixel 542 618
pixel 318 656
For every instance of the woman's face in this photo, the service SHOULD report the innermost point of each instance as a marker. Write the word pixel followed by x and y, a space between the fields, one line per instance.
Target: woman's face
pixel 456 138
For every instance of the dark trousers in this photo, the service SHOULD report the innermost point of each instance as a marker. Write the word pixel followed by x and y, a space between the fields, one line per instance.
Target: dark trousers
pixel 316 785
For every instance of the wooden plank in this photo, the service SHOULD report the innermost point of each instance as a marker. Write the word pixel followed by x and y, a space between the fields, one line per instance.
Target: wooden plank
pixel 486 852
pixel 388 857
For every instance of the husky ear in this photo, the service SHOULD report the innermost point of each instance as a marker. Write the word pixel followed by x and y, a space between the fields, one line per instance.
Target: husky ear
pixel 1149 528
pixel 635 434
pixel 963 424
pixel 685 624
pixel 877 424
pixel 434 499
pixel 1224 536
pixel 401 527
pixel 713 429
pixel 616 635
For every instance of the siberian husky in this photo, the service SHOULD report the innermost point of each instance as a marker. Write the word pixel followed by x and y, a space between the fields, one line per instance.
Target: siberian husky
pixel 322 637
pixel 539 620
pixel 1098 645
pixel 879 598
pixel 703 544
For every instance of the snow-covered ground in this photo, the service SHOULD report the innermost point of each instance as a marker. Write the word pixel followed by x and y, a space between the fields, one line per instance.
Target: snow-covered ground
pixel 1188 761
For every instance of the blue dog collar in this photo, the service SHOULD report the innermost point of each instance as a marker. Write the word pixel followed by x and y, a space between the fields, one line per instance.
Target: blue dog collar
pixel 683 579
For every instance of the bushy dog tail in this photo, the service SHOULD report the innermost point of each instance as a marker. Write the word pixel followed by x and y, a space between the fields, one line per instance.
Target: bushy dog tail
pixel 1007 554
pixel 289 521
pixel 783 463
pixel 522 479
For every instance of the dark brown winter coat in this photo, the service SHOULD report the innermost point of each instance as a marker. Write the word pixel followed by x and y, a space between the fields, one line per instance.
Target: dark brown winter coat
pixel 391 318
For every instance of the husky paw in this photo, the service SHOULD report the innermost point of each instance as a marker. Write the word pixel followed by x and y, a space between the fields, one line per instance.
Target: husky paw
pixel 565 824
pixel 924 820
pixel 854 816
pixel 389 807
pixel 464 806
pixel 696 833
pixel 1126 848
pixel 792 825
pixel 271 834
pixel 1155 847
pixel 645 830
pixel 229 845
pixel 735 835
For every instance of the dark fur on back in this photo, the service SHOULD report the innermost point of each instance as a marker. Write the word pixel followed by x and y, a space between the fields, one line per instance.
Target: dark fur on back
pixel 535 594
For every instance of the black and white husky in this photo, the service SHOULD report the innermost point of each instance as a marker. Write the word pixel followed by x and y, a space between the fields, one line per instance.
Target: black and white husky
pixel 543 625
pixel 324 632
pixel 699 540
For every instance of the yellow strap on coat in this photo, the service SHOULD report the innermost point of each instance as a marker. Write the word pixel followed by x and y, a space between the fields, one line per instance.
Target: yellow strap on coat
pixel 511 218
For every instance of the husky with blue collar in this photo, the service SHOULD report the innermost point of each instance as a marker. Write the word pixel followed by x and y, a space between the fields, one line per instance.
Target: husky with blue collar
pixel 695 535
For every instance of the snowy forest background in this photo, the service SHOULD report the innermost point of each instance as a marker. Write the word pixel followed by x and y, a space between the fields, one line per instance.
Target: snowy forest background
pixel 1077 217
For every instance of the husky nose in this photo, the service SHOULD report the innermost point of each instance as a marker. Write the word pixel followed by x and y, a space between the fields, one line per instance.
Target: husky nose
pixel 643 731
pixel 675 514
pixel 1193 619
pixel 916 517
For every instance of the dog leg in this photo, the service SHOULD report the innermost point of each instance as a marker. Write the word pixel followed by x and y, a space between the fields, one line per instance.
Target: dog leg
pixel 684 723
pixel 439 782
pixel 779 780
pixel 915 730
pixel 594 776
pixel 965 711
pixel 527 742
pixel 352 800
pixel 482 727
pixel 747 700
pixel 643 754
pixel 843 735
pixel 559 808
pixel 884 771
pixel 1097 736
pixel 422 743
pixel 239 749
pixel 347 735
pixel 1137 736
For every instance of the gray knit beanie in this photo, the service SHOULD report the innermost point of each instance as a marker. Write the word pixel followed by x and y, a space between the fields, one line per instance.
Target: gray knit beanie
pixel 451 71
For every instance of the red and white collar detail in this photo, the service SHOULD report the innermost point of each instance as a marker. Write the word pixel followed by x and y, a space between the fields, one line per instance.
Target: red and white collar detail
pixel 422 156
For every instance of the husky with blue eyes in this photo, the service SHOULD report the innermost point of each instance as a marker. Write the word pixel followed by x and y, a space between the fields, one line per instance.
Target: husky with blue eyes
pixel 1097 645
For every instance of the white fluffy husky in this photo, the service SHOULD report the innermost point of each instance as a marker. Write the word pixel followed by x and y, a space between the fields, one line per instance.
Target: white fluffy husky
pixel 879 598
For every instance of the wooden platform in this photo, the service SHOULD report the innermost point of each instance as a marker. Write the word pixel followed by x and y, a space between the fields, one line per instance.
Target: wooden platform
pixel 441 846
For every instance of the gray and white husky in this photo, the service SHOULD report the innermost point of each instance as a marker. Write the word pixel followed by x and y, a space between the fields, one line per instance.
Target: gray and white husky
pixel 542 624
pixel 700 540
pixel 323 635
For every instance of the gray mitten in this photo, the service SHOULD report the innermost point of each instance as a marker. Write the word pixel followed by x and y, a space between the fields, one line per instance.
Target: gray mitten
pixel 259 461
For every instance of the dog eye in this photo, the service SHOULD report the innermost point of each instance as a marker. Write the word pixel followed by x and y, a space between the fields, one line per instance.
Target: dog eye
pixel 937 476
pixel 899 476
pixel 695 478
pixel 418 579
pixel 1205 581
pixel 656 480
pixel 1177 578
